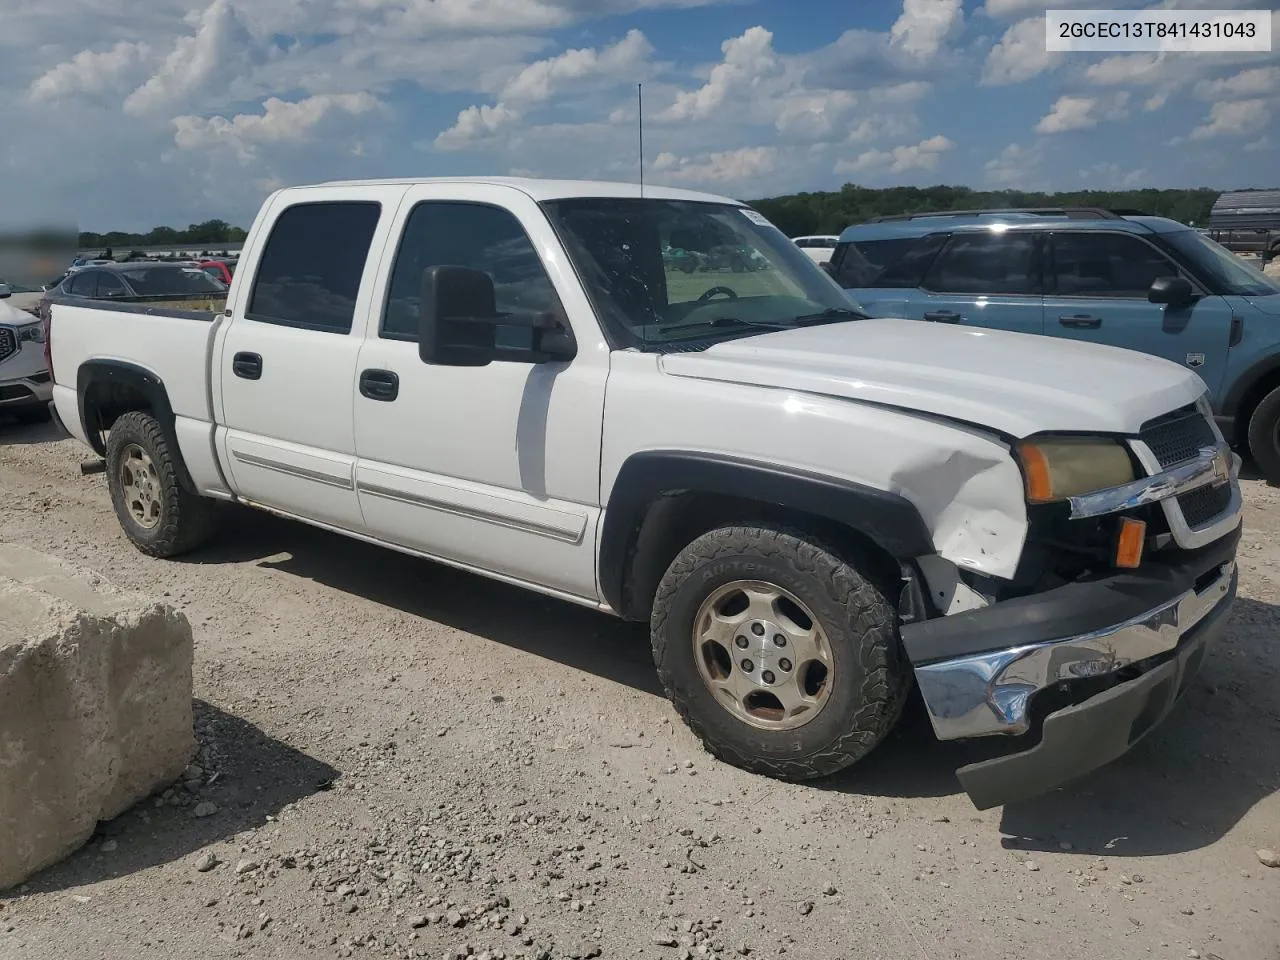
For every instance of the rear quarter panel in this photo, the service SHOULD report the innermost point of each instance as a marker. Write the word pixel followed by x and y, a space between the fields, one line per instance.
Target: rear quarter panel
pixel 174 349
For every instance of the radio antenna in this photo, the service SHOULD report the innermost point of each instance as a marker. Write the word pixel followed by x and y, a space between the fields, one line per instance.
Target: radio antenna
pixel 640 118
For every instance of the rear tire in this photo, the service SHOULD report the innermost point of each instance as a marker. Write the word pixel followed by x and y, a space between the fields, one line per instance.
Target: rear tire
pixel 803 714
pixel 159 516
pixel 1264 436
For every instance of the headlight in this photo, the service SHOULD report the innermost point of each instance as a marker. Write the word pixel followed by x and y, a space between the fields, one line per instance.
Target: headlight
pixel 31 332
pixel 1059 467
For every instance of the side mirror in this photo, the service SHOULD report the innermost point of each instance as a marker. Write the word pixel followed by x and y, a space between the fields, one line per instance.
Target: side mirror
pixel 458 321
pixel 1173 291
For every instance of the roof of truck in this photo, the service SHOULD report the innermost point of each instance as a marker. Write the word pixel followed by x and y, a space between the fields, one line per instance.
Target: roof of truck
pixel 541 190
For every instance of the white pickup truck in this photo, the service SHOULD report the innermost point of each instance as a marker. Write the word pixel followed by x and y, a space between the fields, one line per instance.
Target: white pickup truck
pixel 814 511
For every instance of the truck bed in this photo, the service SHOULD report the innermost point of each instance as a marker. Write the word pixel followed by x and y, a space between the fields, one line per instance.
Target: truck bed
pixel 166 338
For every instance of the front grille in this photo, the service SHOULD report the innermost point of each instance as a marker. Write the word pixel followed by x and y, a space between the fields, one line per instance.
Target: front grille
pixel 1178 436
pixel 1199 507
pixel 8 342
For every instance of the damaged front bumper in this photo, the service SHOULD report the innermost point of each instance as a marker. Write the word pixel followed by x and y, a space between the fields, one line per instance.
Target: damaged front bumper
pixel 1074 676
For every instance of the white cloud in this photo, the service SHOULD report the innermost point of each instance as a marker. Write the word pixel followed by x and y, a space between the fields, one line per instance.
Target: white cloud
pixel 1234 119
pixel 89 72
pixel 1258 82
pixel 815 116
pixel 1015 166
pixel 280 121
pixel 1081 113
pixel 1257 146
pixel 1019 55
pixel 926 26
pixel 220 47
pixel 747 60
pixel 924 155
pixel 891 126
pixel 539 81
pixel 1112 176
pixel 1155 102
pixel 722 167
pixel 1128 68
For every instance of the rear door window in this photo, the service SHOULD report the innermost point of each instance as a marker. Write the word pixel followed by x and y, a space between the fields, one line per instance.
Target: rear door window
pixel 312 265
pixel 900 262
pixel 987 263
pixel 1107 265
pixel 84 284
pixel 109 285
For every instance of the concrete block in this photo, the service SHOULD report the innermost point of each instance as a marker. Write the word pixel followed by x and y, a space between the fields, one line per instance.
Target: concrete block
pixel 95 705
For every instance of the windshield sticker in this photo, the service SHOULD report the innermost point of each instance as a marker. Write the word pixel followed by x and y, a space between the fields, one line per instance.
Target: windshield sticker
pixel 756 217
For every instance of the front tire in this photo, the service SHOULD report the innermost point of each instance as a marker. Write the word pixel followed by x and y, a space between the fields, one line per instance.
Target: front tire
pixel 780 656
pixel 158 515
pixel 1264 436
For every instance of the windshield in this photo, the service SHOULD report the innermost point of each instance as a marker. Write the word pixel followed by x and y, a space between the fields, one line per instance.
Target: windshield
pixel 170 281
pixel 666 274
pixel 1231 274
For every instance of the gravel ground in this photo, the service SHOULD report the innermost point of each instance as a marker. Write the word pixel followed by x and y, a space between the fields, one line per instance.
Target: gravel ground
pixel 400 760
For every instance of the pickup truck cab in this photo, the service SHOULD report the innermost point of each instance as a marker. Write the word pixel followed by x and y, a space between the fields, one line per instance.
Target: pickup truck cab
pixel 1093 275
pixel 813 510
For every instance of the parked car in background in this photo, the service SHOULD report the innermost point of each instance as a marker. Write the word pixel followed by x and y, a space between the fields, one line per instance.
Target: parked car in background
pixel 141 282
pixel 5 291
pixel 1247 221
pixel 819 248
pixel 1115 278
pixel 222 270
pixel 814 511
pixel 25 385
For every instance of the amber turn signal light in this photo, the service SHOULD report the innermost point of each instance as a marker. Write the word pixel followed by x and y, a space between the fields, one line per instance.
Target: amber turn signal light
pixel 1133 534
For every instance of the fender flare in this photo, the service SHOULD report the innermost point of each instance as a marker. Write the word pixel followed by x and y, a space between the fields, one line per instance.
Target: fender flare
pixel 646 480
pixel 97 373
pixel 1245 383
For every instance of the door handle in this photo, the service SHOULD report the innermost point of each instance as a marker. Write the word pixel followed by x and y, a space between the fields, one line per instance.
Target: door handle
pixel 1081 321
pixel 943 316
pixel 379 385
pixel 247 366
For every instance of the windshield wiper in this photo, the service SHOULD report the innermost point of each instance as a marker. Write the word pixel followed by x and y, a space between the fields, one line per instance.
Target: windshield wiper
pixel 726 322
pixel 830 315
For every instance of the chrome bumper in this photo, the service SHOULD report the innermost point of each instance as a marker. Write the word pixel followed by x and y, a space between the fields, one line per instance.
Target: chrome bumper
pixel 990 693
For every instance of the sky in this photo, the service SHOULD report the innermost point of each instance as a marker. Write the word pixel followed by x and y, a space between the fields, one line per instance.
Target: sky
pixel 124 114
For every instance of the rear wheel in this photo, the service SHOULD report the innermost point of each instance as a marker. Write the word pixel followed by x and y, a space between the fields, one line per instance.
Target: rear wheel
pixel 158 515
pixel 782 657
pixel 1264 436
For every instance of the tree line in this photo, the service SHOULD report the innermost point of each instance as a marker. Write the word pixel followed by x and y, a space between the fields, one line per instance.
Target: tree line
pixel 808 213
pixel 828 213
pixel 209 232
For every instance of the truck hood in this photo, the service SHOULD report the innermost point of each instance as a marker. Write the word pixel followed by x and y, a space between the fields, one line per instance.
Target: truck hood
pixel 1018 384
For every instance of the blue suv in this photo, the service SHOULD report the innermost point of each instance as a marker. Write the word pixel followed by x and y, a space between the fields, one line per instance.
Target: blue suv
pixel 1114 277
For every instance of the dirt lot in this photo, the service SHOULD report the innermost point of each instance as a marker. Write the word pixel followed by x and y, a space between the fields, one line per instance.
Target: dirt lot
pixel 401 760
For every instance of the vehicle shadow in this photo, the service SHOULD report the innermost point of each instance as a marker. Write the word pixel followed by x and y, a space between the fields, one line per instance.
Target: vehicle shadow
pixel 1155 800
pixel 578 637
pixel 12 432
pixel 256 777
pixel 1182 788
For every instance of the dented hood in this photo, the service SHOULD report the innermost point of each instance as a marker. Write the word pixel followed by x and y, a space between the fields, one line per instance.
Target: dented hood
pixel 1018 384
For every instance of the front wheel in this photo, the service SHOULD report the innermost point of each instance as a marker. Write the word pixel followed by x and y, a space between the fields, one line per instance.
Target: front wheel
pixel 160 516
pixel 1264 436
pixel 778 654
